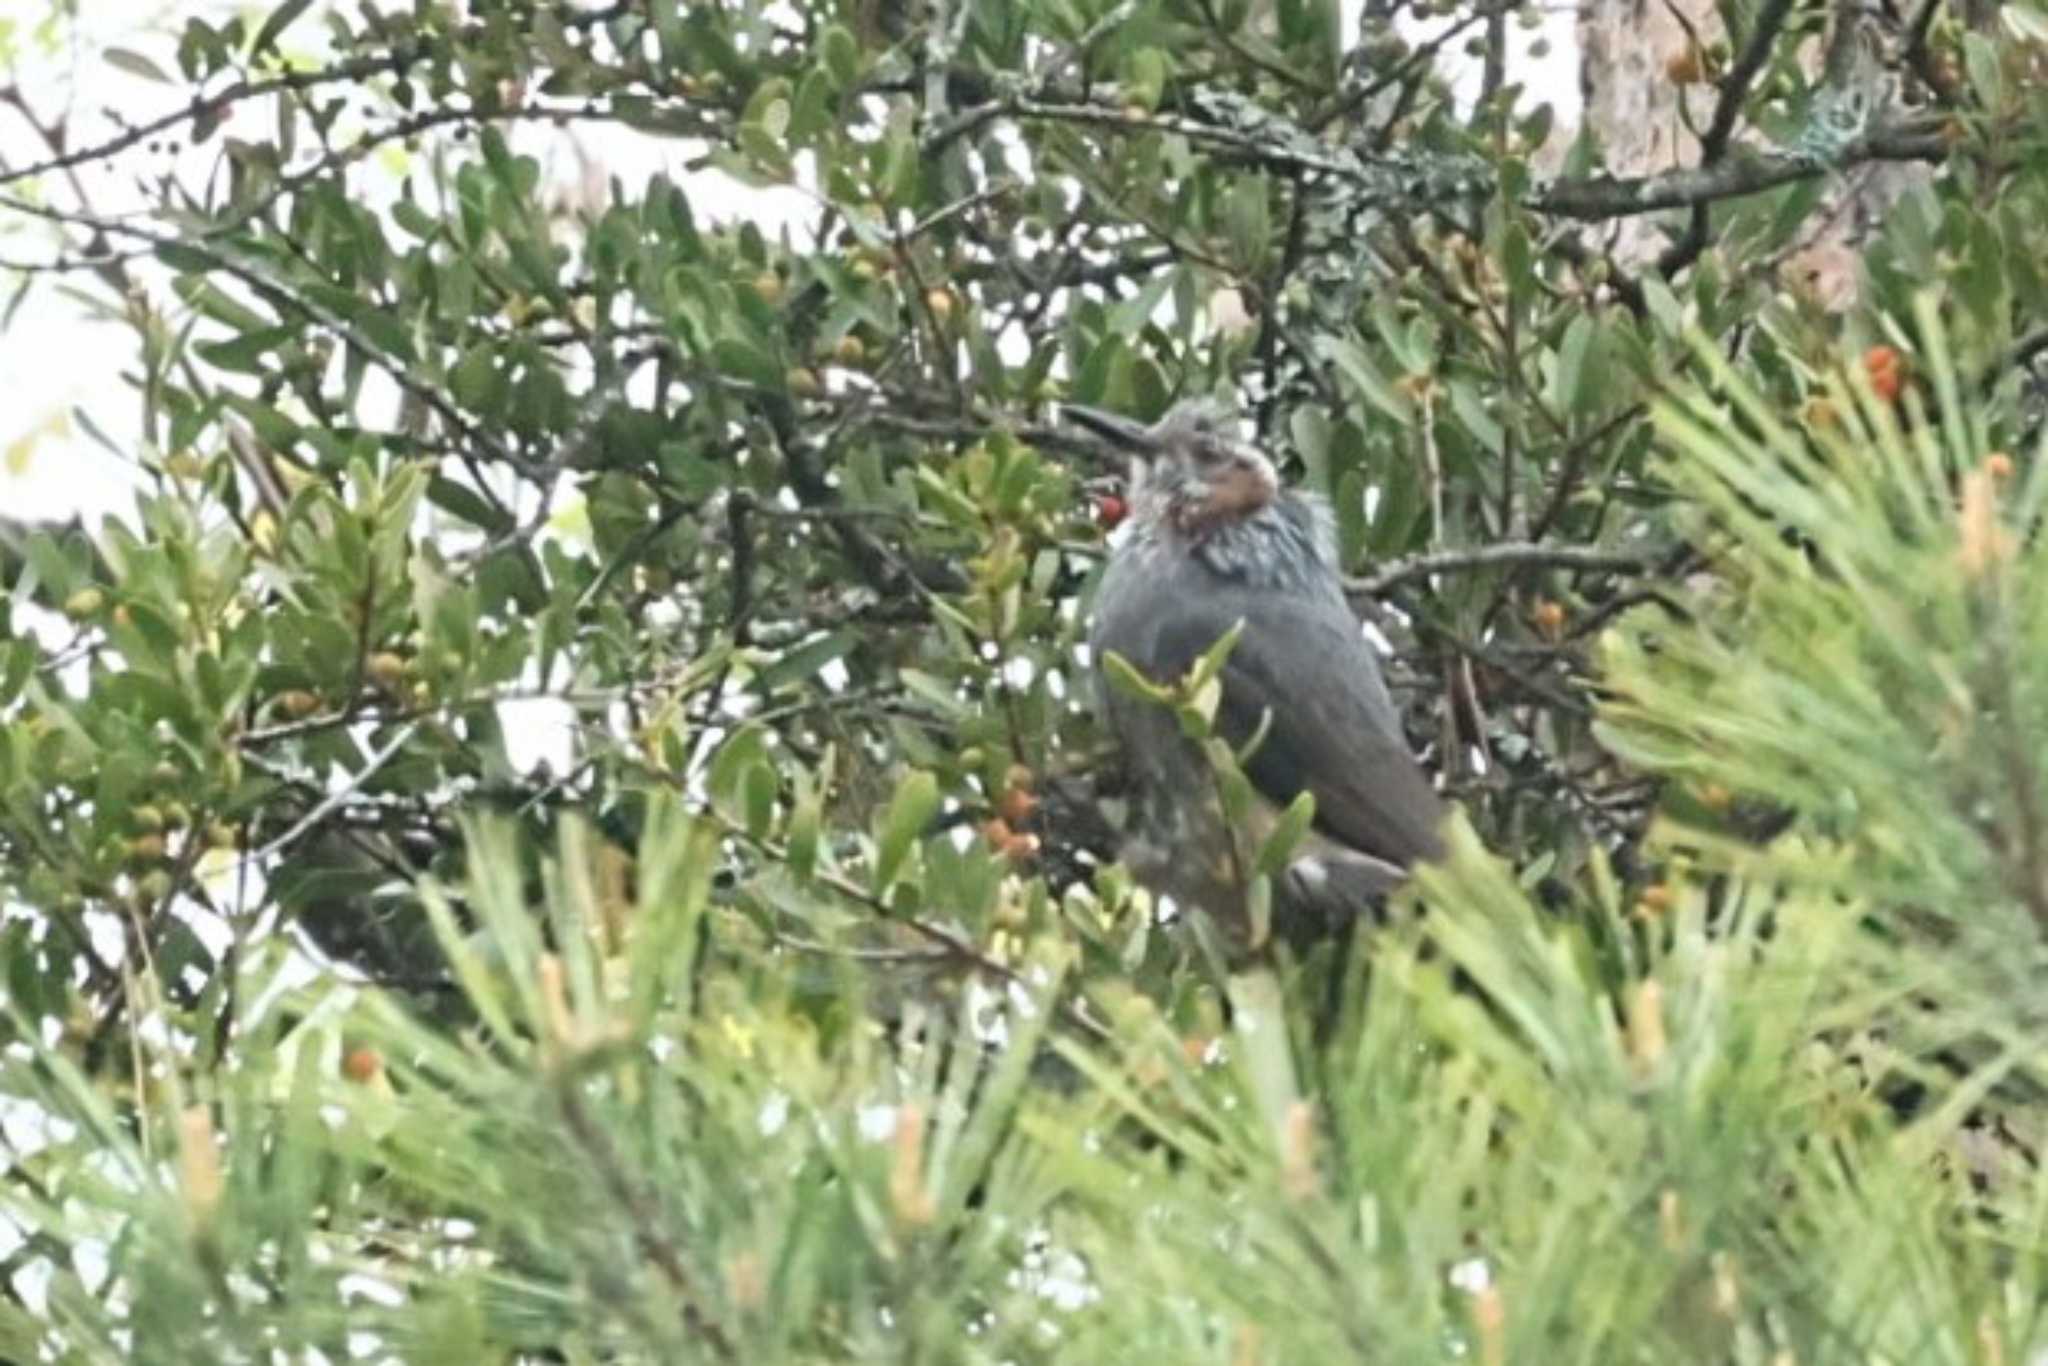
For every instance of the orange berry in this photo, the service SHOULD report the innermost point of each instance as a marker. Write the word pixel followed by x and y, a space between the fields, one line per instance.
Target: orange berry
pixel 1886 369
pixel 362 1064
pixel 1016 805
pixel 297 702
pixel 1684 66
pixel 1008 843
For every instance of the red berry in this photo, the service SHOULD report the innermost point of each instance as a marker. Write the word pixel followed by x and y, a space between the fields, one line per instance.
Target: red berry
pixel 1110 510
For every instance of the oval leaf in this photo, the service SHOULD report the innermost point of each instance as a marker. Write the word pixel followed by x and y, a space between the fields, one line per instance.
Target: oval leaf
pixel 910 811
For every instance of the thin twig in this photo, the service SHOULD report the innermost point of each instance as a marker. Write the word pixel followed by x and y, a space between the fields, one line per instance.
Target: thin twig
pixel 338 797
pixel 1584 559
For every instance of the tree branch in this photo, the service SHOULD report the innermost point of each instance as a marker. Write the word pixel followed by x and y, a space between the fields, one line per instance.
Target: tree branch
pixel 1584 559
pixel 1740 174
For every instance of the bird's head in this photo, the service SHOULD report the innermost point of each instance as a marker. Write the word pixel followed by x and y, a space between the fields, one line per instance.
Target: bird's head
pixel 1193 473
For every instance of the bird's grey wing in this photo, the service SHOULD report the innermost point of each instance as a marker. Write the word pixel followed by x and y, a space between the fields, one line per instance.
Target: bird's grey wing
pixel 1129 609
pixel 1332 729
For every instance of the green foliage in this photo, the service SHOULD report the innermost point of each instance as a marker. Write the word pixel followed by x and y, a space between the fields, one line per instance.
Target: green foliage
pixel 796 1007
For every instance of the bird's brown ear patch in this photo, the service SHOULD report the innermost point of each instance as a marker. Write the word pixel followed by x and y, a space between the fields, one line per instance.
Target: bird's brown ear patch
pixel 1243 487
pixel 1234 491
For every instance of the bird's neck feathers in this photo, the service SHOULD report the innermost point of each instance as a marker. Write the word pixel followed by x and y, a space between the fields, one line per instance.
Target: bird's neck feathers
pixel 1288 543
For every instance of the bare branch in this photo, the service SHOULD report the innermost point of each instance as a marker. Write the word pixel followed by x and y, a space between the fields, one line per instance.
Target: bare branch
pixel 1742 173
pixel 1514 554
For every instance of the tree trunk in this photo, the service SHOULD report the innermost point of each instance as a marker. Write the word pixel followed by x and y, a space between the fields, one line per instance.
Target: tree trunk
pixel 1649 90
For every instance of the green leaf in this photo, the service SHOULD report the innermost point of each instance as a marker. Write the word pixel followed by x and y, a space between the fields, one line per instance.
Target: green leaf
pixel 17 662
pixel 811 113
pixel 1287 833
pixel 1197 712
pixel 841 54
pixel 1232 786
pixel 1566 385
pixel 388 332
pixel 806 815
pixel 244 354
pixel 1348 510
pixel 740 357
pixel 1310 428
pixel 1470 410
pixel 903 165
pixel 213 302
pixel 758 789
pixel 909 812
pixel 799 664
pixel 1126 678
pixel 725 782
pixel 1105 374
pixel 1145 77
pixel 761 134
pixel 279 20
pixel 1258 912
pixel 1518 266
pixel 1212 660
pixel 135 64
pixel 475 380
pixel 775 90
pixel 1257 738
pixel 1663 305
pixel 1135 313
pixel 1365 377
pixel 935 692
pixel 1987 77
pixel 1247 220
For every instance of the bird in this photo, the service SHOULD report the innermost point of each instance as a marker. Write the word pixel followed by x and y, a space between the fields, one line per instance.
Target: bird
pixel 1213 541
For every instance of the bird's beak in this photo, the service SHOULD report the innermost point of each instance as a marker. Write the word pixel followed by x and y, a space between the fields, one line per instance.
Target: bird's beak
pixel 1118 431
